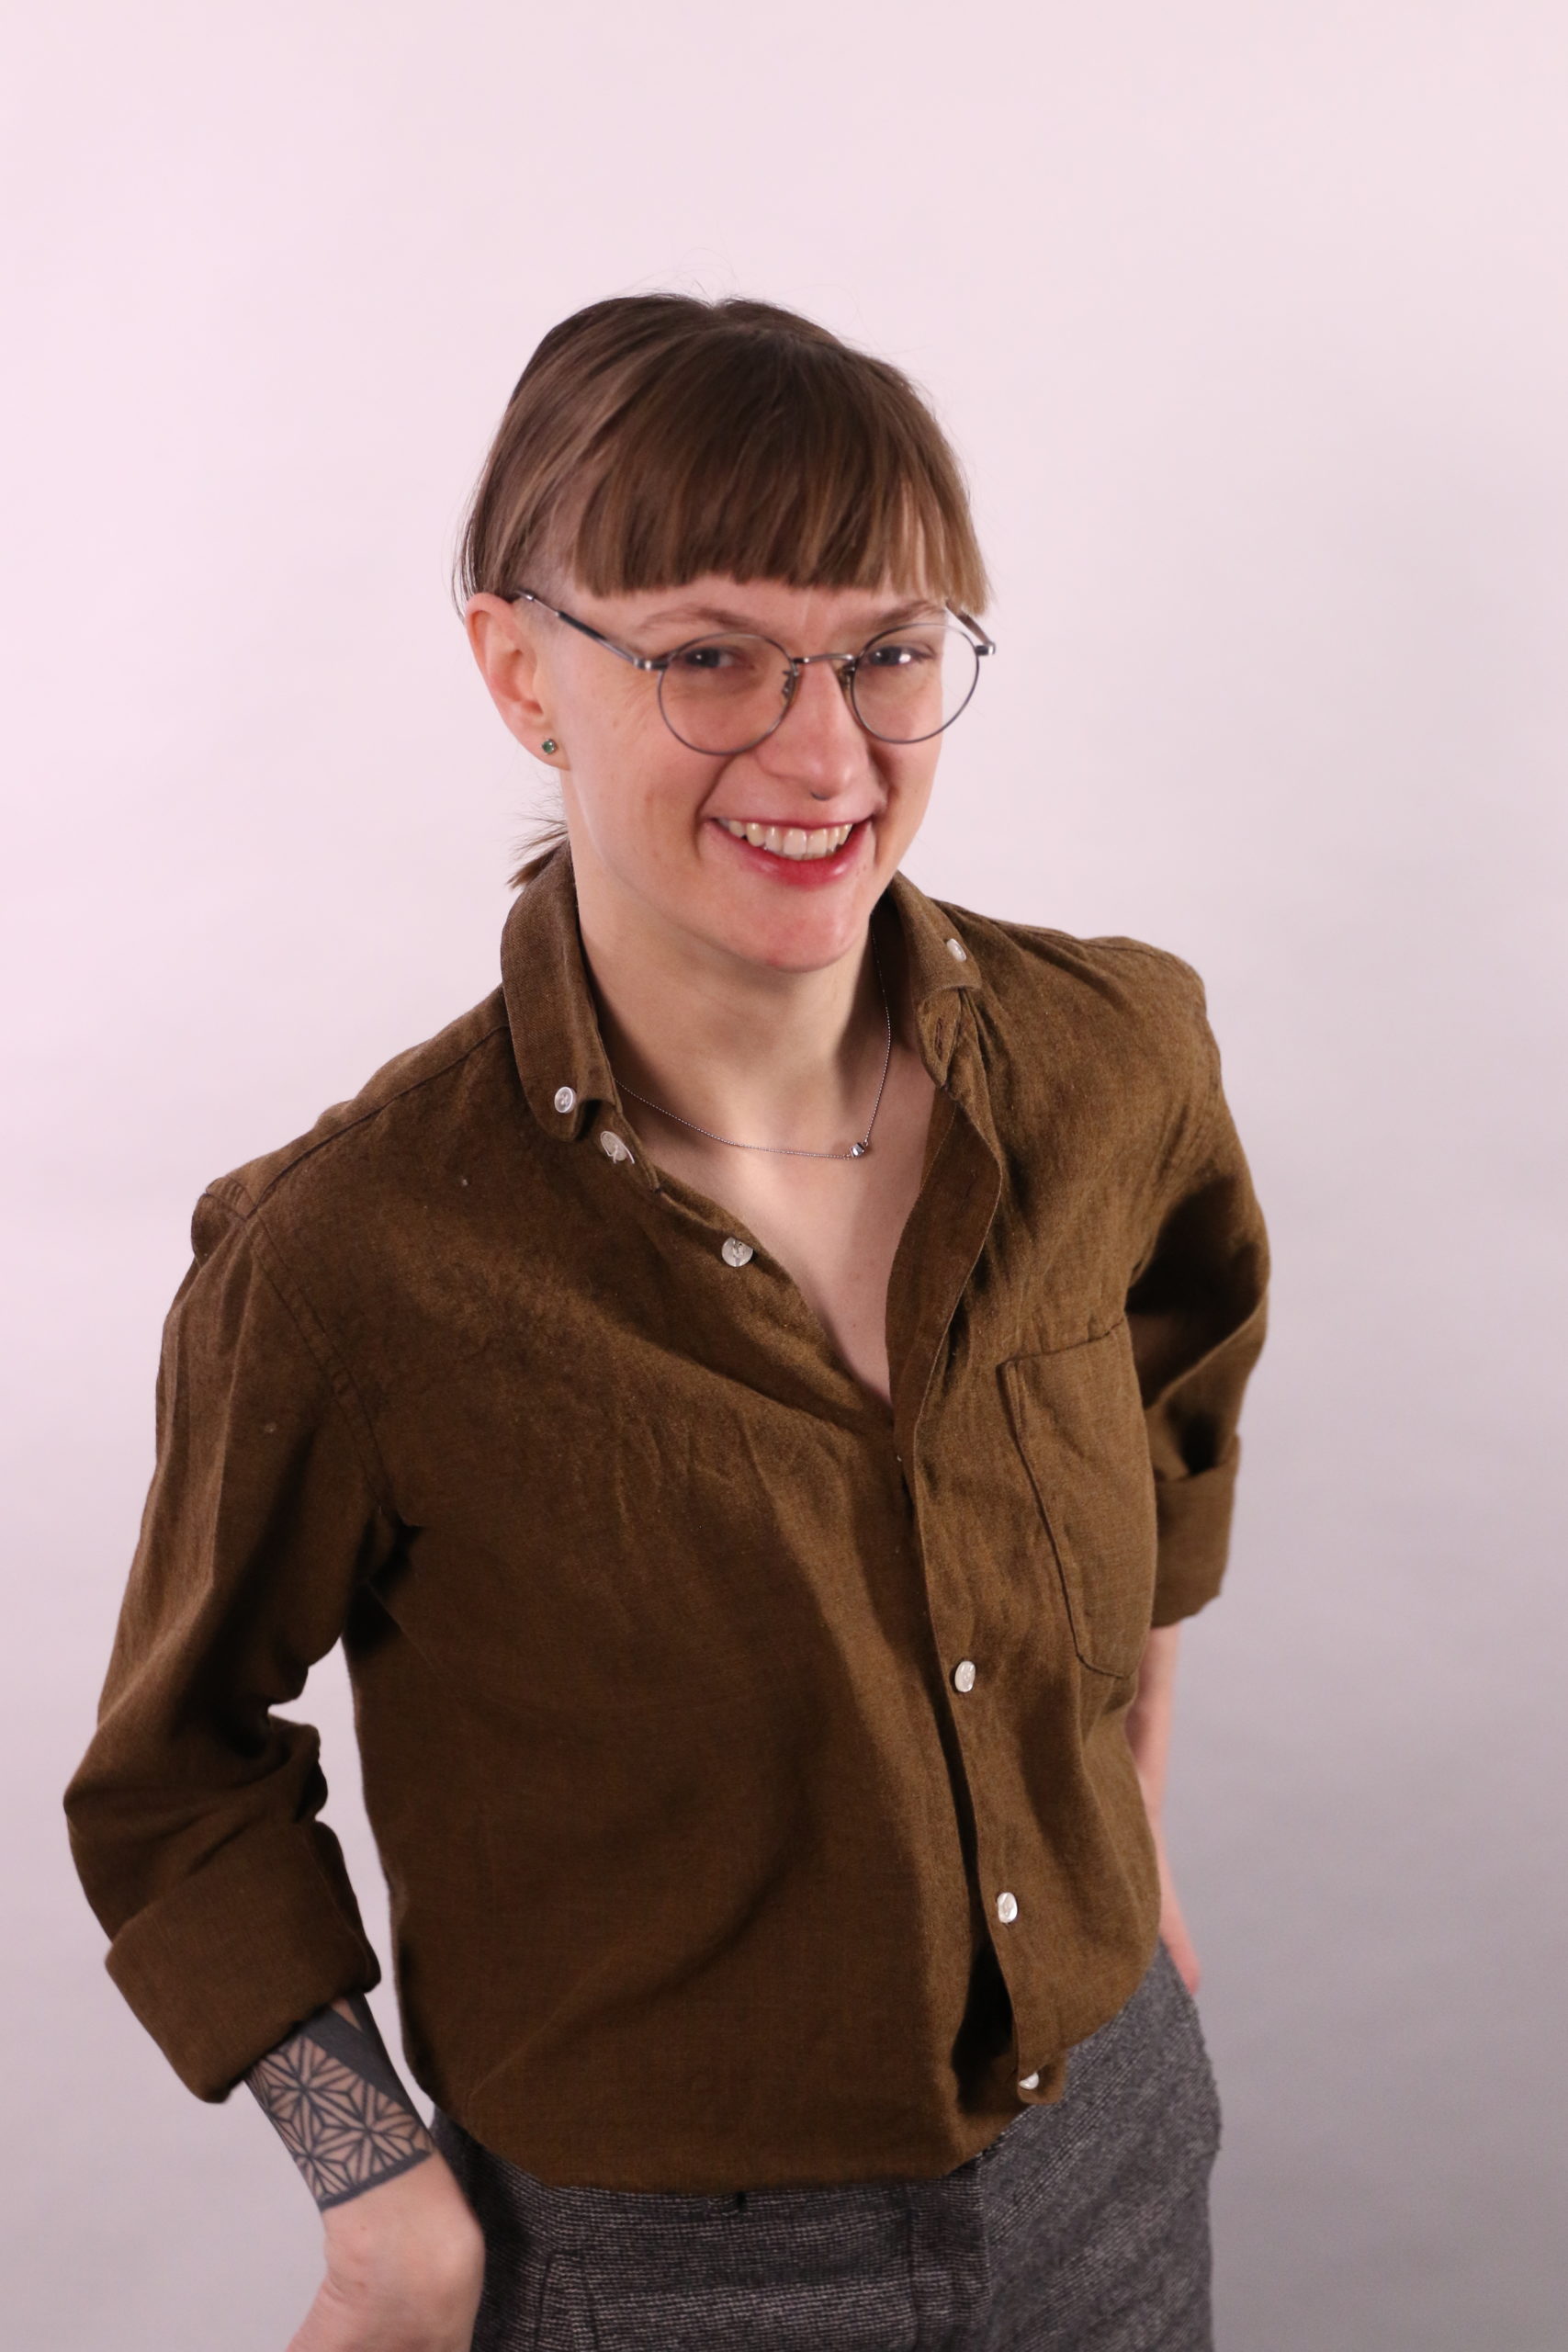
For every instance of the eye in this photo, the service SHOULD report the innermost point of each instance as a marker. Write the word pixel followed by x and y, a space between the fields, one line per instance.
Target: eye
pixel 730 660
pixel 898 654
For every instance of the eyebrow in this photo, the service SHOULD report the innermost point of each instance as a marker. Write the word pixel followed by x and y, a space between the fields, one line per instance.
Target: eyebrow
pixel 721 617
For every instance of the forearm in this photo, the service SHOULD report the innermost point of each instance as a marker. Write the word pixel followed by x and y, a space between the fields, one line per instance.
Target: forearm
pixel 404 2266
pixel 1148 1721
pixel 336 2099
pixel 1149 1716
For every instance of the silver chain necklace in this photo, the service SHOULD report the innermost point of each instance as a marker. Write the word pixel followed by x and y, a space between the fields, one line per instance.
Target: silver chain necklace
pixel 792 1152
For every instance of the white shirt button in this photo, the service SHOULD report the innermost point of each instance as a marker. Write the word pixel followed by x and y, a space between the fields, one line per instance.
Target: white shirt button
pixel 734 1252
pixel 964 1674
pixel 1029 2081
pixel 565 1098
pixel 959 953
pixel 1007 1906
pixel 612 1145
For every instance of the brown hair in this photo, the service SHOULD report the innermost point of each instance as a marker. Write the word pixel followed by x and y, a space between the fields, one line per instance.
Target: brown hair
pixel 655 437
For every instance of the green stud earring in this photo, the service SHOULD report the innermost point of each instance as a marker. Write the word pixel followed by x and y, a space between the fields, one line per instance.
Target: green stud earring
pixel 549 744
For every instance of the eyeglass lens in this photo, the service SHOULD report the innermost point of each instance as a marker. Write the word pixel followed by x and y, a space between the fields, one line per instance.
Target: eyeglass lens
pixel 724 694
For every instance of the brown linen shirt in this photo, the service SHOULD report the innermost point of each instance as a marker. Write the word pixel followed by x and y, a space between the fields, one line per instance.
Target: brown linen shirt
pixel 747 1762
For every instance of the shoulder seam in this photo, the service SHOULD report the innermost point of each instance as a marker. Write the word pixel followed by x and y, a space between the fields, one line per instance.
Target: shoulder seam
pixel 428 1078
pixel 1147 948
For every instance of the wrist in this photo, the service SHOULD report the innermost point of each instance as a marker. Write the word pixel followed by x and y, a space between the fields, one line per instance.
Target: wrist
pixel 416 2230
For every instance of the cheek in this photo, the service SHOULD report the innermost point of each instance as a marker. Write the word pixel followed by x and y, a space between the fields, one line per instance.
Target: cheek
pixel 638 794
pixel 910 779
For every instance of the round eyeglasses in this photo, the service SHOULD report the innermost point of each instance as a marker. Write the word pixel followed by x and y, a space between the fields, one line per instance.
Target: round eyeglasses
pixel 726 693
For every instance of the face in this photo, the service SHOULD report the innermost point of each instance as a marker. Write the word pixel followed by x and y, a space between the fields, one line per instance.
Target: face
pixel 657 828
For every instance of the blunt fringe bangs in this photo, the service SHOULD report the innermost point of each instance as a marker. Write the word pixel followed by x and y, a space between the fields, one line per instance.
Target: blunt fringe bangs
pixel 654 439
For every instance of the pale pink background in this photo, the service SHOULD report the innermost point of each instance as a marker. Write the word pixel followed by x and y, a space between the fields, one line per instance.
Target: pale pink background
pixel 1250 323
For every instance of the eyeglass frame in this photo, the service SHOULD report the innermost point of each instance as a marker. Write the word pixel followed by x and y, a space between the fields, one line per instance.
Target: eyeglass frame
pixel 795 662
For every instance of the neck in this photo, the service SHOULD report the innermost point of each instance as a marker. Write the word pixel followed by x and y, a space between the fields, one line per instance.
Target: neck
pixel 744 1049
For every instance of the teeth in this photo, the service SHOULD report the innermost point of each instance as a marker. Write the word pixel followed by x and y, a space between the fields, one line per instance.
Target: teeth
pixel 789 840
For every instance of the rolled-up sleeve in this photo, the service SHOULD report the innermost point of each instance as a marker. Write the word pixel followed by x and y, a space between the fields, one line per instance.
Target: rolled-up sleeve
pixel 193 1813
pixel 1197 1310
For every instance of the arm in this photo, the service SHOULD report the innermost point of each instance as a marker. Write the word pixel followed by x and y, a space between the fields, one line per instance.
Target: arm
pixel 193 1813
pixel 1149 1735
pixel 404 2254
pixel 334 2095
pixel 1197 1309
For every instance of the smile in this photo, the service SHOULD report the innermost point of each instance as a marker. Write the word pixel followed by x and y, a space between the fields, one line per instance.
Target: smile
pixel 789 840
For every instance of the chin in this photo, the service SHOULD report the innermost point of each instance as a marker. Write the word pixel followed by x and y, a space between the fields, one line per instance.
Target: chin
pixel 794 939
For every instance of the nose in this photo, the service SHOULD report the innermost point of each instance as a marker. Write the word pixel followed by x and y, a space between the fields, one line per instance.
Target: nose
pixel 818 743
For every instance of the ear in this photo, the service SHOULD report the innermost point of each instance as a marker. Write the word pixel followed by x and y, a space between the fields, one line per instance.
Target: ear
pixel 507 651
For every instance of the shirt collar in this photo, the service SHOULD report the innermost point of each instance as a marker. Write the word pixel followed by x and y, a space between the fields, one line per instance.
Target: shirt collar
pixel 940 966
pixel 560 1054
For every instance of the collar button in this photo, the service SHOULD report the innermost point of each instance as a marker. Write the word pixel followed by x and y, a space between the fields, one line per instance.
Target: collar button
pixel 612 1146
pixel 565 1099
pixel 959 953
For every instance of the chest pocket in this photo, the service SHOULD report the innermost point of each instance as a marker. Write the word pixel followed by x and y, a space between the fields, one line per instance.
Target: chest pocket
pixel 1078 1418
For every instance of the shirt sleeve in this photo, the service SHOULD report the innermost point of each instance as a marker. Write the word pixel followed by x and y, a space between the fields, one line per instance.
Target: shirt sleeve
pixel 193 1813
pixel 1197 1310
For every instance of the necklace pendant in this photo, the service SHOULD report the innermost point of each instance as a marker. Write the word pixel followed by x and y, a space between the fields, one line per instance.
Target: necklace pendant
pixel 859 1150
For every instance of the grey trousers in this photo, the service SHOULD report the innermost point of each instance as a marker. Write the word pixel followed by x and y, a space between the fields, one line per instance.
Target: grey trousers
pixel 1083 2228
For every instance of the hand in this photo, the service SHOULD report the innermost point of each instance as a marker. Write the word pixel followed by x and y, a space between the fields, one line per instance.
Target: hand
pixel 405 2268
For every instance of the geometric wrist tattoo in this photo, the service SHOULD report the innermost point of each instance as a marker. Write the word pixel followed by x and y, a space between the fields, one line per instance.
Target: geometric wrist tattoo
pixel 335 2097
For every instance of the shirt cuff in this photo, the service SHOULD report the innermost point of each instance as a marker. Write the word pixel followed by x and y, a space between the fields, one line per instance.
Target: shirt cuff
pixel 222 1966
pixel 1194 1518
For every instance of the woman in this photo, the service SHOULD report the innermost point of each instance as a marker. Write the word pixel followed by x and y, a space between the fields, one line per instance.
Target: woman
pixel 755 1399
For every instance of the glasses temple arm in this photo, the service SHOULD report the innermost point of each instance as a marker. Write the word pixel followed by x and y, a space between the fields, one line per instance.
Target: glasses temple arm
pixel 985 644
pixel 638 660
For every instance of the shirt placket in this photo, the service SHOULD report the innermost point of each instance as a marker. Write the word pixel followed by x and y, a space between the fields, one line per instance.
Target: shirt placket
pixel 954 1217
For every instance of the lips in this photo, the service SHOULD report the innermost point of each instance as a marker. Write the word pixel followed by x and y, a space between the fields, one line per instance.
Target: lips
pixel 787 840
